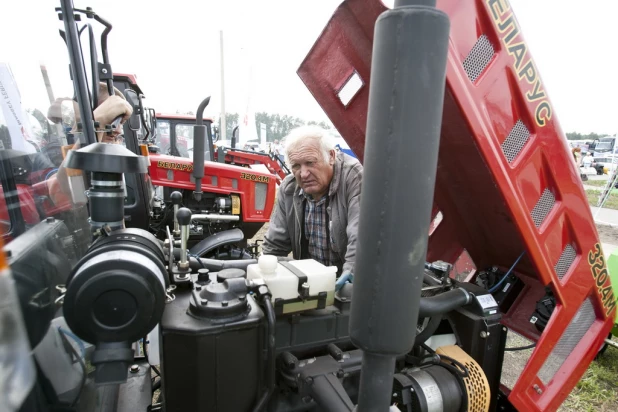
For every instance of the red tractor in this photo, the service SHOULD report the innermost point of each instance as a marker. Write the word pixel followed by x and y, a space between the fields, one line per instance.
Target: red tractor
pixel 236 201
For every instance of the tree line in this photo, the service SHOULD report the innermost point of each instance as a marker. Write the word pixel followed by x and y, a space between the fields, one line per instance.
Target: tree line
pixel 277 125
pixel 579 136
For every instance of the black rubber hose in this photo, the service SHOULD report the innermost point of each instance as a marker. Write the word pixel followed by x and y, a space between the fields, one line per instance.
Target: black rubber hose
pixel 216 265
pixel 157 385
pixel 443 303
pixel 270 358
pixel 429 330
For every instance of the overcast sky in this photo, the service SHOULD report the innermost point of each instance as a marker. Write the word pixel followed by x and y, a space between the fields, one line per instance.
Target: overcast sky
pixel 173 47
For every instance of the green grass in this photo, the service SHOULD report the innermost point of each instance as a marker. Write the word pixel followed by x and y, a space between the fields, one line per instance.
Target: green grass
pixel 598 183
pixel 611 203
pixel 597 389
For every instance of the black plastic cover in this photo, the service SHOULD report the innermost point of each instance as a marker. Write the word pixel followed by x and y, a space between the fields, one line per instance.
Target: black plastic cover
pixel 220 300
pixel 210 365
pixel 217 240
pixel 117 291
pixel 104 157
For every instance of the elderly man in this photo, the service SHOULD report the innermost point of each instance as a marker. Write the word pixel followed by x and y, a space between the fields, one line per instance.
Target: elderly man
pixel 317 210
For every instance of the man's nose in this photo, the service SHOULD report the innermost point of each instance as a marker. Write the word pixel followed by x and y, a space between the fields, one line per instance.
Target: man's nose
pixel 304 172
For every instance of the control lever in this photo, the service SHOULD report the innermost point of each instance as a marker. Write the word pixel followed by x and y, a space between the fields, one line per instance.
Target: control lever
pixel 176 199
pixel 184 219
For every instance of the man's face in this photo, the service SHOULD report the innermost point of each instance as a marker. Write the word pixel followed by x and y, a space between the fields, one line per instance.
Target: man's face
pixel 313 174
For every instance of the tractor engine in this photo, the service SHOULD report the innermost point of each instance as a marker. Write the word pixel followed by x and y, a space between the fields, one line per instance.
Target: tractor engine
pixel 211 215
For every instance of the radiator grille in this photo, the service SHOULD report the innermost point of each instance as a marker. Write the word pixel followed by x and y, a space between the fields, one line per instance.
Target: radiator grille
pixel 543 207
pixel 564 263
pixel 515 141
pixel 579 325
pixel 478 58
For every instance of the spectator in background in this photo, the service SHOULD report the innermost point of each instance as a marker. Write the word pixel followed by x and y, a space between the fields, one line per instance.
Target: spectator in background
pixel 587 160
pixel 577 155
pixel 279 151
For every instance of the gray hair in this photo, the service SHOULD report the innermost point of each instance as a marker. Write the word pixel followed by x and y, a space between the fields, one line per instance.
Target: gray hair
pixel 310 132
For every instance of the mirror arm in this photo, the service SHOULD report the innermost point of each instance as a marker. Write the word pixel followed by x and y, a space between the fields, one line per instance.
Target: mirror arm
pixel 108 28
pixel 94 67
pixel 77 70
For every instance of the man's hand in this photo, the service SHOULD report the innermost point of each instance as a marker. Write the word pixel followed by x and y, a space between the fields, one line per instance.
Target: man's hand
pixel 111 108
pixel 346 277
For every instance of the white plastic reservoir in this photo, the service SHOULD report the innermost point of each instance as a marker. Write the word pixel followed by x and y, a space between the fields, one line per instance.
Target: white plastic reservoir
pixel 283 284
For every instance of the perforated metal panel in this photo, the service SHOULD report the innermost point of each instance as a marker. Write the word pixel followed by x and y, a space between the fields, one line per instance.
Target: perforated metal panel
pixel 478 58
pixel 477 386
pixel 515 141
pixel 566 259
pixel 543 207
pixel 581 322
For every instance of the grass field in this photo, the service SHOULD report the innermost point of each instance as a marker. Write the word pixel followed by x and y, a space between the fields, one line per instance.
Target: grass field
pixel 593 198
pixel 596 390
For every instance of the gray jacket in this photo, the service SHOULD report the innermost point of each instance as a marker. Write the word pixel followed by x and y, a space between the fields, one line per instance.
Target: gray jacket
pixel 284 233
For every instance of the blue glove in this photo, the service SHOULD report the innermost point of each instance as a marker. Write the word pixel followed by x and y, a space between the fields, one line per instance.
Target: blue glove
pixel 343 279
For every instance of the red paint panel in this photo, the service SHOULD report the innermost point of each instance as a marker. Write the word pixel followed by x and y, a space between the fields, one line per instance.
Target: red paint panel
pixel 224 174
pixel 491 195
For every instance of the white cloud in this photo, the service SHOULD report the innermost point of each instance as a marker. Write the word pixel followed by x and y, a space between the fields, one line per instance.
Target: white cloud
pixel 173 47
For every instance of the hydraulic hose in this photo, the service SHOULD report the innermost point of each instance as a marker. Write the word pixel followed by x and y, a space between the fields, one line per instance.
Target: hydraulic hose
pixel 444 302
pixel 429 330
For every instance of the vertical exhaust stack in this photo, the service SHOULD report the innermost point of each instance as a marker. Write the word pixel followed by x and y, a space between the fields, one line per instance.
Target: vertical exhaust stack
pixel 403 132
pixel 199 144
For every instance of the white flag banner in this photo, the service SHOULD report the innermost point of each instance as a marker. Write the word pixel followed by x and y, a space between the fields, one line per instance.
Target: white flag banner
pixel 10 100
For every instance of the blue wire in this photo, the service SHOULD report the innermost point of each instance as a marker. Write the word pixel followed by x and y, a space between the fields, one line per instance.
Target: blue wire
pixel 50 172
pixel 497 285
pixel 79 342
pixel 196 258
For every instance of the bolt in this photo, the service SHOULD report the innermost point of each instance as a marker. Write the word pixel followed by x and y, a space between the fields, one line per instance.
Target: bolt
pixel 50 220
pixel 204 302
pixel 340 373
pixel 484 334
pixel 242 298
pixel 504 329
pixel 198 287
pixel 104 71
pixel 307 399
pixel 309 380
pixel 134 369
pixel 224 303
pixel 537 389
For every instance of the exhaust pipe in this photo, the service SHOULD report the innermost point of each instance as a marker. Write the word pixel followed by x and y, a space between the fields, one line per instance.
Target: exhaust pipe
pixel 199 143
pixel 406 97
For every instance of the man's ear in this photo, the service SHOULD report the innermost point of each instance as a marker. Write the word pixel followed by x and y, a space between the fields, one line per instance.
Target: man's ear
pixel 331 157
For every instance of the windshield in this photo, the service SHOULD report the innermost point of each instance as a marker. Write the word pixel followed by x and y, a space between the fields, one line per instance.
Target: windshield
pixel 603 146
pixel 183 133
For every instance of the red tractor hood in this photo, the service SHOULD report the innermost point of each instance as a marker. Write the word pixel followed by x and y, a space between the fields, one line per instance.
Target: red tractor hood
pixel 506 181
